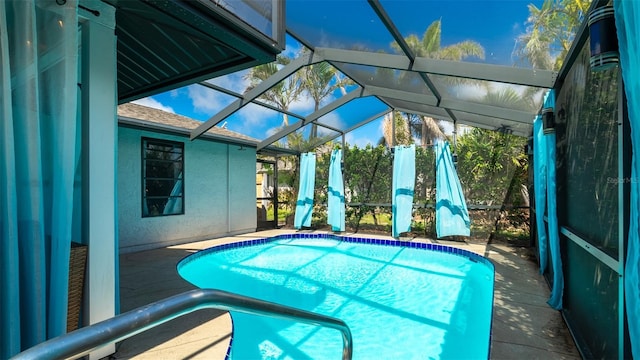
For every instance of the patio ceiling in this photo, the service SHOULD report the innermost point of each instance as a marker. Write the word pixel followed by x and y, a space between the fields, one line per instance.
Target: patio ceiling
pixel 166 44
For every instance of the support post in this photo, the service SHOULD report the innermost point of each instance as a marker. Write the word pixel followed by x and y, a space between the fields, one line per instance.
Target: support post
pixel 99 147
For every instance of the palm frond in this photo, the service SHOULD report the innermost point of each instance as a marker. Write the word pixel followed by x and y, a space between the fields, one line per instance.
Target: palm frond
pixel 462 50
pixel 431 38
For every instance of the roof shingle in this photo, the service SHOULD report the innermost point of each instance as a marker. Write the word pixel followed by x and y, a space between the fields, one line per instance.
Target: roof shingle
pixel 156 116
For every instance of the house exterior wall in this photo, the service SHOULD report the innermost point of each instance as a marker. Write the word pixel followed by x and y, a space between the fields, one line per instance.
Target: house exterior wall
pixel 219 193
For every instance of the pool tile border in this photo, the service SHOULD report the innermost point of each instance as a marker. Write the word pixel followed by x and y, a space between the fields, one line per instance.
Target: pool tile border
pixel 351 239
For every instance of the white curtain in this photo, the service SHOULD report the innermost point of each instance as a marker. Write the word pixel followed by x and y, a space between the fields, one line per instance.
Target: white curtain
pixel 38 139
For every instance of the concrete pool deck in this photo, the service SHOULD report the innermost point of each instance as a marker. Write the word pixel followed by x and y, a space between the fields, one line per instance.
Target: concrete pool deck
pixel 524 326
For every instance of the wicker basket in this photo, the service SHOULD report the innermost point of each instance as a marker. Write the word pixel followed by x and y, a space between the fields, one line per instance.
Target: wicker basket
pixel 77 267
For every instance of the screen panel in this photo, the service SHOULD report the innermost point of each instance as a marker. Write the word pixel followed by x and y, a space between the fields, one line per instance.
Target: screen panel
pixel 587 154
pixel 591 303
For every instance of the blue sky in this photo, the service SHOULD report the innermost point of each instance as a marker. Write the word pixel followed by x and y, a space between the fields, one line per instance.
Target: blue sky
pixel 341 23
pixel 494 25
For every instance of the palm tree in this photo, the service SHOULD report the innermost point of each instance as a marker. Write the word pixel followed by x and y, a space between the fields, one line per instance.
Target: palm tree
pixel 282 94
pixel 550 32
pixel 426 128
pixel 402 134
pixel 320 81
pixel 509 98
pixel 430 46
pixel 413 124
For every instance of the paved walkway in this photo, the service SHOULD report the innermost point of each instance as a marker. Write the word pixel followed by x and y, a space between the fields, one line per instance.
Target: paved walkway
pixel 524 326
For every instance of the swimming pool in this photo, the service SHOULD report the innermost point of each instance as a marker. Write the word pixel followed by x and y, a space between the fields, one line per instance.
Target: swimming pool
pixel 401 300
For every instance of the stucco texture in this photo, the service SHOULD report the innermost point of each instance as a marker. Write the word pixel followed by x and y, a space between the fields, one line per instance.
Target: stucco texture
pixel 219 193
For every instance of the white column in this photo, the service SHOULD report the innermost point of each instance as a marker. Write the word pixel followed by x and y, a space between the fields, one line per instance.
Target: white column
pixel 99 147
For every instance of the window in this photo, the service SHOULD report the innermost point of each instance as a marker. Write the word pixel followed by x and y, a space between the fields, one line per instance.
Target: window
pixel 162 177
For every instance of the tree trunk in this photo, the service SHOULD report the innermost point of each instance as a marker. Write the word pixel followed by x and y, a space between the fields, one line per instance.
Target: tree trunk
pixel 423 135
pixel 360 212
pixel 512 185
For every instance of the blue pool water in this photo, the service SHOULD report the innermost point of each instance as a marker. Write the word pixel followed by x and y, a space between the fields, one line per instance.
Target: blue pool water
pixel 401 300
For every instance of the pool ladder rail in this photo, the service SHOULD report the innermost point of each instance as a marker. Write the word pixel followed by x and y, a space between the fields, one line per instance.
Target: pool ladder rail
pixel 84 340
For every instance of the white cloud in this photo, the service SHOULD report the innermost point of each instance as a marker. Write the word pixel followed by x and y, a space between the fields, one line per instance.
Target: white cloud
pixel 325 132
pixel 333 120
pixel 205 100
pixel 235 82
pixel 272 131
pixel 447 127
pixel 292 51
pixel 253 114
pixel 516 28
pixel 153 103
pixel 302 106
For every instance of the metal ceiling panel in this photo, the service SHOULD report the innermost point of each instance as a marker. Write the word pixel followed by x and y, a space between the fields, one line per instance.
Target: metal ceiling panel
pixel 489 72
pixel 302 139
pixel 506 114
pixel 383 77
pixel 486 122
pixel 417 108
pixel 386 93
pixel 166 44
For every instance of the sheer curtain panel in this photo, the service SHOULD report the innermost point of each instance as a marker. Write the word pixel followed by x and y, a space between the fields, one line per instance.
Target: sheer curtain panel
pixel 38 137
pixel 540 188
pixel 304 205
pixel 452 216
pixel 403 183
pixel 335 196
pixel 557 290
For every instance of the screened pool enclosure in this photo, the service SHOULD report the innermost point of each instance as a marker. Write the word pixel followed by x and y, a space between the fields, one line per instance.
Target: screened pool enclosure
pixel 306 78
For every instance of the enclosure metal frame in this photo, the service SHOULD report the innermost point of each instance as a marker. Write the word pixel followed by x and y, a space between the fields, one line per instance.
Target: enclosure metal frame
pixel 458 111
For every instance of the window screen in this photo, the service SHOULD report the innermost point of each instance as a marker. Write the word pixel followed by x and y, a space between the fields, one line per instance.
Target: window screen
pixel 162 177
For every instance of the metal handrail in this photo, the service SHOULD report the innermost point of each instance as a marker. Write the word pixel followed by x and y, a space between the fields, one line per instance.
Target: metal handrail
pixel 84 340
